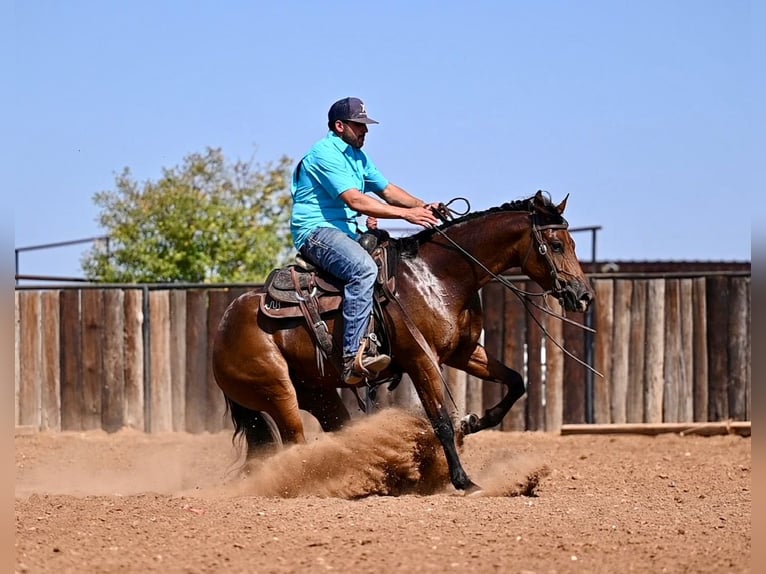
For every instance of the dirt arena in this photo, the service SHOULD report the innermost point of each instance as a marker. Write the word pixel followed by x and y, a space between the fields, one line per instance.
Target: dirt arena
pixel 375 498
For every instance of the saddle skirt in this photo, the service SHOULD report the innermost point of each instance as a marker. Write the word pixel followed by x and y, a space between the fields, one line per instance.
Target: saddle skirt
pixel 286 288
pixel 289 290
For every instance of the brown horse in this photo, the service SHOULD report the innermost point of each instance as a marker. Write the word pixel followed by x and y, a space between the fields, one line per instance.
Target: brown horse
pixel 264 365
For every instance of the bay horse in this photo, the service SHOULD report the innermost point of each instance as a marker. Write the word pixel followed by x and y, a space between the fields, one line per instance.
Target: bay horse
pixel 265 365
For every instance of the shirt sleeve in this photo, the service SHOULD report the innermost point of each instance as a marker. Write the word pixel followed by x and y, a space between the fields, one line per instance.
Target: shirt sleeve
pixel 373 179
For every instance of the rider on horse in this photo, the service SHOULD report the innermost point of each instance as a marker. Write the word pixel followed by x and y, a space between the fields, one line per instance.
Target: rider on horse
pixel 330 189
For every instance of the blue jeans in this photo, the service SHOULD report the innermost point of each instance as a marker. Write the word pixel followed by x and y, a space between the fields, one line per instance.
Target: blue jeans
pixel 338 254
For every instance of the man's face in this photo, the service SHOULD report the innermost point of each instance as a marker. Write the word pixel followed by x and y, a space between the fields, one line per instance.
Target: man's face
pixel 352 133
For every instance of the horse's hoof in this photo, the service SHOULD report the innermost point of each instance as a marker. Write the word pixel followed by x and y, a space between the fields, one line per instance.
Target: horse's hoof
pixel 473 490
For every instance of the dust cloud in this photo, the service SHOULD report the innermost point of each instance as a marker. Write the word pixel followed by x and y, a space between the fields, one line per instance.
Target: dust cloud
pixel 389 453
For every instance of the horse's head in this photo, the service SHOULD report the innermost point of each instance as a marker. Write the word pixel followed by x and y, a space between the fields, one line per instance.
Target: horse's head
pixel 551 260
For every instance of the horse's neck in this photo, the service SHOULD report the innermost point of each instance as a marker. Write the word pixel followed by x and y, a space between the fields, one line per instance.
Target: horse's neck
pixel 473 253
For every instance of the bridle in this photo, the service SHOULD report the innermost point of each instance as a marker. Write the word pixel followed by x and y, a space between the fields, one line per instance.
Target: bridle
pixel 542 249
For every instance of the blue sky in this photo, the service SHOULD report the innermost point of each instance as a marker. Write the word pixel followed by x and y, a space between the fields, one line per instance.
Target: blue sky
pixel 644 112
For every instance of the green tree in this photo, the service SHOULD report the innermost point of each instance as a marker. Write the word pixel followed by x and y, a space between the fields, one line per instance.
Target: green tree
pixel 205 221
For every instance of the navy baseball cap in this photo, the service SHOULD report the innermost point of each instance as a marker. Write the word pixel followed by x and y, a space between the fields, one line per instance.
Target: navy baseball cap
pixel 351 110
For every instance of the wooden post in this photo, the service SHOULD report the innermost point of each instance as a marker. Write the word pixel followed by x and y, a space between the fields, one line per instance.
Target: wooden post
pixel 178 358
pixel 17 358
pixel 30 382
pixel 51 362
pixel 574 372
pixel 514 331
pixel 672 367
pixel 196 360
pixel 71 360
pixel 655 346
pixel 456 381
pixel 133 378
pixel 618 381
pixel 113 385
pixel 493 302
pixel 604 326
pixel 718 333
pixel 535 383
pixel 161 393
pixel 92 357
pixel 699 343
pixel 686 386
pixel 554 371
pixel 637 353
pixel 738 344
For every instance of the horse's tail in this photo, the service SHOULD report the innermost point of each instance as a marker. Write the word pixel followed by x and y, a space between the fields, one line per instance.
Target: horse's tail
pixel 257 428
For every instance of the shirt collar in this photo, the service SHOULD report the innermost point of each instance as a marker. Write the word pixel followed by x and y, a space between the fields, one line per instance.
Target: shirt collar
pixel 338 142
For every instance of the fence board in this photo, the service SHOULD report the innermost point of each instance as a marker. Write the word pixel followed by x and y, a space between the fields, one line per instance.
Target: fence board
pixel 456 382
pixel 621 347
pixel 513 335
pixel 133 378
pixel 493 296
pixel 161 395
pixel 218 301
pixel 92 357
pixel 554 370
pixel 51 363
pixel 686 386
pixel 634 409
pixel 718 362
pixel 574 372
pixel 655 347
pixel 604 326
pixel 178 358
pixel 196 360
pixel 113 386
pixel 535 383
pixel 739 311
pixel 30 359
pixel 16 358
pixel 672 366
pixel 71 360
pixel 701 383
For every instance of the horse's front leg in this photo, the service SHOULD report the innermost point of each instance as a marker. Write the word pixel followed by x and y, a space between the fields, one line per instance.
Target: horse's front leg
pixel 479 364
pixel 428 384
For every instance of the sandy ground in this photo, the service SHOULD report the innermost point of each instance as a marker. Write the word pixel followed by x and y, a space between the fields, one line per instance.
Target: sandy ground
pixel 375 498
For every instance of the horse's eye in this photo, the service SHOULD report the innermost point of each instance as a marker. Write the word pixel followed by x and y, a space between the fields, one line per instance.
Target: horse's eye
pixel 557 247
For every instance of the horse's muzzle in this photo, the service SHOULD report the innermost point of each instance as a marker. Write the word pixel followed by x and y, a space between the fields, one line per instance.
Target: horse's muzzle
pixel 575 296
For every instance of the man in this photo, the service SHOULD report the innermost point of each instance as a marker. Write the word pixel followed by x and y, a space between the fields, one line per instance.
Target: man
pixel 330 188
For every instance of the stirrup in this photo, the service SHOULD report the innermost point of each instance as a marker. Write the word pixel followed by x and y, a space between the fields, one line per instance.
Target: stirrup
pixel 370 364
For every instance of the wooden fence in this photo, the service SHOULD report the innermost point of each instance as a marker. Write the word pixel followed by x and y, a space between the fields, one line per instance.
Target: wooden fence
pixel 671 349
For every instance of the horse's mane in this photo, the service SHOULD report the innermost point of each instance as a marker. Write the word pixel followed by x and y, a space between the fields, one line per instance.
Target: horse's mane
pixel 407 247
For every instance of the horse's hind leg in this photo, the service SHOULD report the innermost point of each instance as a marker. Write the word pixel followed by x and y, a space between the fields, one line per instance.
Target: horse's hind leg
pixel 480 364
pixel 326 406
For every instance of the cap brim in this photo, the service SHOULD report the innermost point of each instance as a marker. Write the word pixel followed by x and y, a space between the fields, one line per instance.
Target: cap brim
pixel 363 120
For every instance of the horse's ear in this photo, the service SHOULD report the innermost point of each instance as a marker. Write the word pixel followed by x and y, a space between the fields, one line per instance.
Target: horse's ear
pixel 563 205
pixel 538 202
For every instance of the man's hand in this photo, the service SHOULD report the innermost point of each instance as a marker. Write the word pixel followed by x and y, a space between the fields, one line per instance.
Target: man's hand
pixel 422 215
pixel 372 223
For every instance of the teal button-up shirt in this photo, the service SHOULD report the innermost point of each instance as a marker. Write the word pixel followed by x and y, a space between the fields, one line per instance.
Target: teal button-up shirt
pixel 331 167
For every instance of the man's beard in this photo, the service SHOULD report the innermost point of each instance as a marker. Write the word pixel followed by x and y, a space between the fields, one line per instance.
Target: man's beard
pixel 352 140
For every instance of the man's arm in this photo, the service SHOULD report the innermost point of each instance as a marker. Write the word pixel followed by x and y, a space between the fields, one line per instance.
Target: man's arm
pixel 395 195
pixel 414 210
